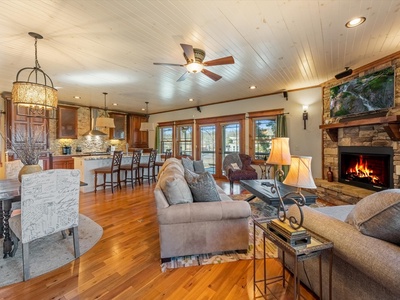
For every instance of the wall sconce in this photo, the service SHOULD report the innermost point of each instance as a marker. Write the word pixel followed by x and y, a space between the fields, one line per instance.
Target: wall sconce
pixel 305 115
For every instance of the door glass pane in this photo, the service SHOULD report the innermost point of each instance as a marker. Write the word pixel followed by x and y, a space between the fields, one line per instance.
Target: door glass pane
pixel 207 142
pixel 231 139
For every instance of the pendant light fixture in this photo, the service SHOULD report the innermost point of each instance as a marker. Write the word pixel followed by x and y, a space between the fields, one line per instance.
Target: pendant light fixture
pixel 146 126
pixel 35 97
pixel 105 121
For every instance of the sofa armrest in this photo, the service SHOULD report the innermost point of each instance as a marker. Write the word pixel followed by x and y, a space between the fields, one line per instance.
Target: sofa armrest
pixel 377 259
pixel 203 212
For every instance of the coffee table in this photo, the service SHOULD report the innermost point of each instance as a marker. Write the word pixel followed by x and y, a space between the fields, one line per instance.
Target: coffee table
pixel 262 190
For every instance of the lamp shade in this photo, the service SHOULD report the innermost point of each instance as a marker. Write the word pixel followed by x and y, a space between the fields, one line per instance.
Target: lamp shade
pixel 105 122
pixel 280 152
pixel 300 173
pixel 146 126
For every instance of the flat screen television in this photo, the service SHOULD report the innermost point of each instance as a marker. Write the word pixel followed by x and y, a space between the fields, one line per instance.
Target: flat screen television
pixel 368 94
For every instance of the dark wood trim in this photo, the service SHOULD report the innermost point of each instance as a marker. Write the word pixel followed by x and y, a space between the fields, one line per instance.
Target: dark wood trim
pixel 391 124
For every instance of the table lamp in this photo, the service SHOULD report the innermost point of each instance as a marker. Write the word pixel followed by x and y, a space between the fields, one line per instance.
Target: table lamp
pixel 280 155
pixel 299 176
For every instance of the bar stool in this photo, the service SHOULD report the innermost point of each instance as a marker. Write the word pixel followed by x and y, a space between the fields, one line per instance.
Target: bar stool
pixel 158 164
pixel 150 166
pixel 114 168
pixel 131 168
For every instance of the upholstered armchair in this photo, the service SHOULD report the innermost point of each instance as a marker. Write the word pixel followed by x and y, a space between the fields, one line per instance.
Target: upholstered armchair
pixel 238 167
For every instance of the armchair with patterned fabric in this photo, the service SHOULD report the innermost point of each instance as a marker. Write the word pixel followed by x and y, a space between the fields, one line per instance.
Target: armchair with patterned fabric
pixel 237 167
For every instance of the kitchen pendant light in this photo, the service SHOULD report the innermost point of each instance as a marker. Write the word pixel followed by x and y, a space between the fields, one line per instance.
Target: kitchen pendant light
pixel 105 122
pixel 147 126
pixel 35 97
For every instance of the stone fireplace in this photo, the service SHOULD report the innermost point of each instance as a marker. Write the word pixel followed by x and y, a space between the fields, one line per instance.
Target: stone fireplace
pixel 366 167
pixel 375 137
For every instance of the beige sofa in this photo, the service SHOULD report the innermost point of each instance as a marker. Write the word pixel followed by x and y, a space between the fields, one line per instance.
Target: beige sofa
pixel 196 227
pixel 364 267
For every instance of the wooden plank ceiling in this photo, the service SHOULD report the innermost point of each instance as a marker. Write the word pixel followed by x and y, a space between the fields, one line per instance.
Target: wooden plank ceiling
pixel 91 47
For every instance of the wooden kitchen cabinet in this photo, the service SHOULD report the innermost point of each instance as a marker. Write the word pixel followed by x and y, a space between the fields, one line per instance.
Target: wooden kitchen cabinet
pixel 67 122
pixel 119 132
pixel 20 126
pixel 137 138
pixel 63 162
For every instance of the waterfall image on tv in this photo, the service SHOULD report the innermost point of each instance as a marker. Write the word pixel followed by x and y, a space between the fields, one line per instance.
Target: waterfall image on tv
pixel 370 93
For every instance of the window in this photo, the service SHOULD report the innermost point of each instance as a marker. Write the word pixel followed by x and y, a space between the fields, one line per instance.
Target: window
pixel 262 131
pixel 166 139
pixel 185 133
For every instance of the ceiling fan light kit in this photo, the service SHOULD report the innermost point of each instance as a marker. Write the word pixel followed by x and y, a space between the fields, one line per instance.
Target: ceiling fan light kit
pixel 194 62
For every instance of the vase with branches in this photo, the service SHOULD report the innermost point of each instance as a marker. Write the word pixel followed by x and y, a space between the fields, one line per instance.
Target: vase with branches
pixel 28 148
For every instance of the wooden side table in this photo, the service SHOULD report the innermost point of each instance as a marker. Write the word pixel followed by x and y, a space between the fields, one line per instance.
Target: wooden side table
pixel 301 253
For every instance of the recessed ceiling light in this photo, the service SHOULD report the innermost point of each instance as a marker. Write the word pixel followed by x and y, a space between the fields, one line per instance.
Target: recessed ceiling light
pixel 253 87
pixel 77 97
pixel 115 104
pixel 191 99
pixel 143 109
pixel 355 22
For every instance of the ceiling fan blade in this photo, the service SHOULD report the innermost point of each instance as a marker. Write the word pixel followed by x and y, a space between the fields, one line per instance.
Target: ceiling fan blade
pixel 183 77
pixel 188 49
pixel 167 64
pixel 220 61
pixel 212 75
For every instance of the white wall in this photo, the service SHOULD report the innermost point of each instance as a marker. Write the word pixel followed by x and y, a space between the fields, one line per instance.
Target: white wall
pixel 302 142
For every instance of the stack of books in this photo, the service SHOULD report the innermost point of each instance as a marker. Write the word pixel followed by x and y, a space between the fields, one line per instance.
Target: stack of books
pixel 283 230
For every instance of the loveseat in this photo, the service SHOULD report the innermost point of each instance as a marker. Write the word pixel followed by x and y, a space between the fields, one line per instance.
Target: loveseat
pixel 364 267
pixel 189 227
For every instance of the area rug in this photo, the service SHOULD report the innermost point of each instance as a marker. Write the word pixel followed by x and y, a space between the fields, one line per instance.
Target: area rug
pixel 49 253
pixel 230 256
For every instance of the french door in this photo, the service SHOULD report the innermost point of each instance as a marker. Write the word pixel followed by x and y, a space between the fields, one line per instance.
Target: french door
pixel 217 137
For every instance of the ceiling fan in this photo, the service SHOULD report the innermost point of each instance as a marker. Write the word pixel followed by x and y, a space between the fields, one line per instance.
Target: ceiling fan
pixel 194 62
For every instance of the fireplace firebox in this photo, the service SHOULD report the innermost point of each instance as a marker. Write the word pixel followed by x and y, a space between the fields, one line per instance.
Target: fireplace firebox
pixel 366 167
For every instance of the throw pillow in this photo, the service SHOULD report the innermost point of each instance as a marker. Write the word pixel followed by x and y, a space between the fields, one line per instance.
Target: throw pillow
pixel 377 215
pixel 198 166
pixel 175 189
pixel 202 186
pixel 187 164
pixel 235 166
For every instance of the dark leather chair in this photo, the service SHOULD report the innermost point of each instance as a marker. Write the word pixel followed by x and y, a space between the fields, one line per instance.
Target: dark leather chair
pixel 131 171
pixel 113 169
pixel 238 167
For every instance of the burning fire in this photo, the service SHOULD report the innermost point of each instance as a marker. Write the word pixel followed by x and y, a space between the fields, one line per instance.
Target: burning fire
pixel 361 170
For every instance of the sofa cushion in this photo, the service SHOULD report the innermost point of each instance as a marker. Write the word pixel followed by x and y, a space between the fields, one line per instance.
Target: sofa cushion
pixel 202 186
pixel 198 166
pixel 377 215
pixel 175 188
pixel 187 164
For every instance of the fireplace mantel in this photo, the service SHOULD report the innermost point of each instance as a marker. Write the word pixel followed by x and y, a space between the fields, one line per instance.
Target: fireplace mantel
pixel 391 124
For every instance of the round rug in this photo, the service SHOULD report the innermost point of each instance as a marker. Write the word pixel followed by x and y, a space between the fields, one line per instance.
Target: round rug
pixel 50 252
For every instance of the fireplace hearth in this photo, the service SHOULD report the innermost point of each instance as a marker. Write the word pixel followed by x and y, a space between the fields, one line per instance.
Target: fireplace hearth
pixel 366 167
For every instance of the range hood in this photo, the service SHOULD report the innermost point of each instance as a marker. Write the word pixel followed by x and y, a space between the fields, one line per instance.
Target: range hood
pixel 93 131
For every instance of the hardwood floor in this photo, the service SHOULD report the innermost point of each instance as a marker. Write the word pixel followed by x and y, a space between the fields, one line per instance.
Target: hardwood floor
pixel 125 263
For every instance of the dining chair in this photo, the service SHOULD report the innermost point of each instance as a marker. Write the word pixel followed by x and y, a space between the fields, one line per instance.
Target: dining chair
pixel 149 166
pixel 49 204
pixel 159 164
pixel 132 169
pixel 111 170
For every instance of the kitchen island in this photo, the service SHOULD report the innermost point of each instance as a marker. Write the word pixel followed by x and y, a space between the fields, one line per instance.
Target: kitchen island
pixel 87 165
